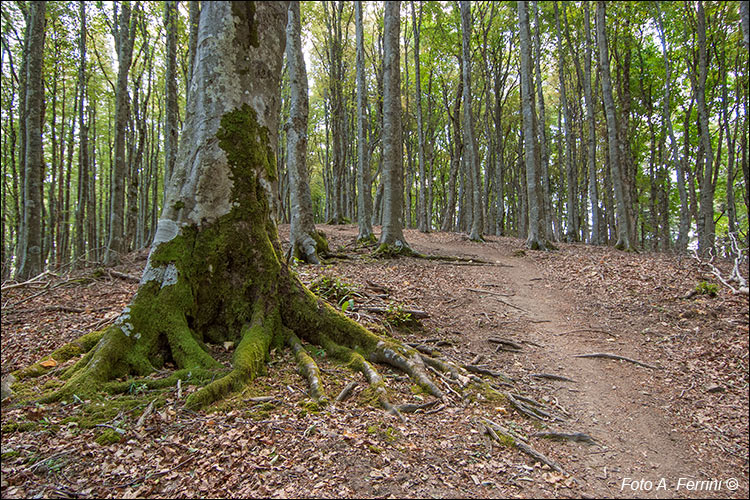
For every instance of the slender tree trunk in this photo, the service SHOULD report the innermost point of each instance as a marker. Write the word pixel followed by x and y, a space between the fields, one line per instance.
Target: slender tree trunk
pixel 31 263
pixel 591 150
pixel 83 148
pixel 684 223
pixel 306 242
pixel 456 145
pixel 422 220
pixel 623 224
pixel 706 228
pixel 194 15
pixel 364 183
pixel 536 239
pixel 571 233
pixel 170 84
pixel 470 149
pixel 541 125
pixel 125 34
pixel 393 169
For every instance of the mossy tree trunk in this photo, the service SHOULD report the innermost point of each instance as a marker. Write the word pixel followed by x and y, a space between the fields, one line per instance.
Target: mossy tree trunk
pixel 215 271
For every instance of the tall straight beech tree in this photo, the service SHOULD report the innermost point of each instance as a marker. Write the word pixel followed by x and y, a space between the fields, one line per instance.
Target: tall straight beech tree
pixel 392 235
pixel 214 273
pixel 364 184
pixel 537 238
pixel 32 263
pixel 305 241
pixel 470 148
pixel 623 236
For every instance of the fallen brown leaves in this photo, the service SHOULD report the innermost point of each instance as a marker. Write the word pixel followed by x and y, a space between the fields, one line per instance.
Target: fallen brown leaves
pixel 259 448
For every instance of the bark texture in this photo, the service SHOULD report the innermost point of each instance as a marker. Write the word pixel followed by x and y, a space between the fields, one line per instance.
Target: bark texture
pixel 536 239
pixel 393 164
pixel 623 237
pixel 470 145
pixel 31 263
pixel 364 189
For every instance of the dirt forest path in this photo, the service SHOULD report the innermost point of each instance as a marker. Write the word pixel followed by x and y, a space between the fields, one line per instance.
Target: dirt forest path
pixel 639 451
pixel 685 421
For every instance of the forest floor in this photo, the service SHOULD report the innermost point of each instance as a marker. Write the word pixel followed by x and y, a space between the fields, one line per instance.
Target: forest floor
pixel 660 432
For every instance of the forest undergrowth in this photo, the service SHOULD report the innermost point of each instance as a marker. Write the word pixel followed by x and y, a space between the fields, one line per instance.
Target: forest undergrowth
pixel 522 313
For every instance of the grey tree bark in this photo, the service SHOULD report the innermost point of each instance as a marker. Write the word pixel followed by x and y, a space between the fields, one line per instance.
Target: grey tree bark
pixel 541 126
pixel 423 223
pixel 536 237
pixel 335 40
pixel 705 220
pixel 306 243
pixel 623 224
pixel 194 13
pixel 684 224
pixel 470 148
pixel 392 235
pixel 456 150
pixel 571 233
pixel 83 154
pixel 124 39
pixel 364 183
pixel 31 263
pixel 170 91
pixel 591 149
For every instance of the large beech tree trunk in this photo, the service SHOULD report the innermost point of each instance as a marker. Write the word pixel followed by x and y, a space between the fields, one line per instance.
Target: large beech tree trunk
pixel 215 271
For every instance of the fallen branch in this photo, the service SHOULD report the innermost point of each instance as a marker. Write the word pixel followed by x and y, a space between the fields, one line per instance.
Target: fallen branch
pixel 32 281
pixel 146 413
pixel 346 392
pixel 595 330
pixel 735 273
pixel 616 356
pixel 123 276
pixel 534 411
pixel 490 292
pixel 495 296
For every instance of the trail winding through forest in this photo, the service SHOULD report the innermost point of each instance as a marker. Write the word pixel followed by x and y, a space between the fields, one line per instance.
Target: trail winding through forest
pixel 656 430
pixel 639 451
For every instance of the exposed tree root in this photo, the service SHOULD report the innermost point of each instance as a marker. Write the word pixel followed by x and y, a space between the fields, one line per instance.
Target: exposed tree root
pixel 579 437
pixel 513 440
pixel 551 376
pixel 486 371
pixel 607 355
pixel 307 367
pixel 346 392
